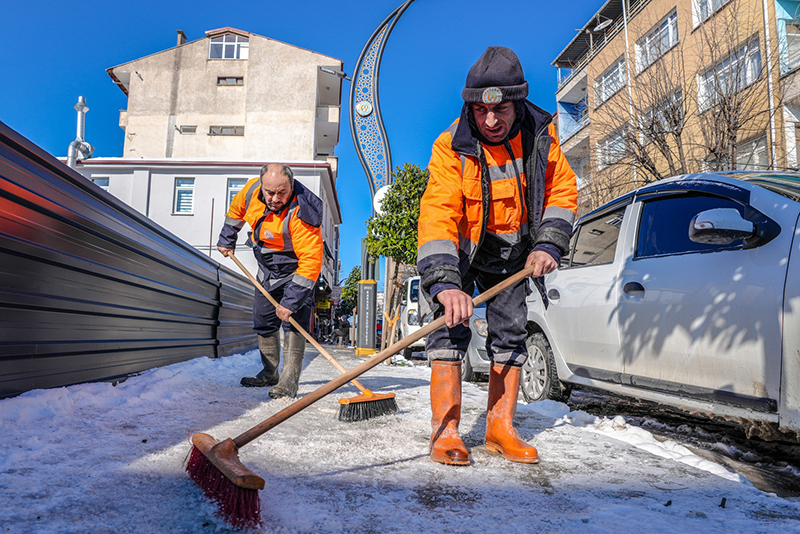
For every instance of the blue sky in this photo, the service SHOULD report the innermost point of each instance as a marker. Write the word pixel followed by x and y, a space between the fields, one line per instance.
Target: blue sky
pixel 55 51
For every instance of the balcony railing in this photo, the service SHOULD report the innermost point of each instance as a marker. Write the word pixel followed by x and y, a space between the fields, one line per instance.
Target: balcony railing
pixel 569 129
pixel 602 40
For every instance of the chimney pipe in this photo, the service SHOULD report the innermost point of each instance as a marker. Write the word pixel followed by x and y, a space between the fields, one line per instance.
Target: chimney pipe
pixel 181 37
pixel 79 146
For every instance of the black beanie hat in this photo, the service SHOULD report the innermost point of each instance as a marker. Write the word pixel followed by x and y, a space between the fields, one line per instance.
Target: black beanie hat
pixel 496 76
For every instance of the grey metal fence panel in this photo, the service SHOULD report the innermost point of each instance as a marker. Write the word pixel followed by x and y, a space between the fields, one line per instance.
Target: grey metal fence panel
pixel 235 331
pixel 89 288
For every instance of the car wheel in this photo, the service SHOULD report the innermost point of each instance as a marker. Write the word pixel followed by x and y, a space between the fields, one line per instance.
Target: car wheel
pixel 408 352
pixel 467 373
pixel 539 375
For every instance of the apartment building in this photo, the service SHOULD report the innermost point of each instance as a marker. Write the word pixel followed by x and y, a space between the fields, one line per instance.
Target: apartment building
pixel 648 89
pixel 205 115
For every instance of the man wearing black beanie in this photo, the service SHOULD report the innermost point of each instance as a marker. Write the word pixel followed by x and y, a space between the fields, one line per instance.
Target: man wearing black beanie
pixel 501 197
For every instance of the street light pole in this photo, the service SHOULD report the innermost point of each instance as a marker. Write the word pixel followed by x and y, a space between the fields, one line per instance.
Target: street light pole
pixel 372 146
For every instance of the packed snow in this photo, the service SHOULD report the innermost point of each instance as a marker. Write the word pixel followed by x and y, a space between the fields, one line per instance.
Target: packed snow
pixel 102 458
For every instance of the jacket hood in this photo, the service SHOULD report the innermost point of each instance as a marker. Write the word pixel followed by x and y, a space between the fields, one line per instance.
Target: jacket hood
pixel 309 205
pixel 465 140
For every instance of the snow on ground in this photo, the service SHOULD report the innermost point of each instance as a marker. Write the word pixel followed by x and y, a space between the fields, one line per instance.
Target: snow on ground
pixel 97 458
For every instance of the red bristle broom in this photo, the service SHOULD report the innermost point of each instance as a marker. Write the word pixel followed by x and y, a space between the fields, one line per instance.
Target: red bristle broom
pixel 215 466
pixel 359 408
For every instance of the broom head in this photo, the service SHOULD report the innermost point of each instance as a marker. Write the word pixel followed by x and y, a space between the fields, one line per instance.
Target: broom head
pixel 215 467
pixel 366 406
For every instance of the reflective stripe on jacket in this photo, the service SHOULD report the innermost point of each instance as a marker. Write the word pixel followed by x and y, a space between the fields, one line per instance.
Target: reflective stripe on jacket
pixel 287 245
pixel 522 214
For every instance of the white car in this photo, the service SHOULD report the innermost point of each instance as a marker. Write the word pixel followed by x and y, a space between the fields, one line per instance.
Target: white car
pixel 476 360
pixel 411 314
pixel 686 293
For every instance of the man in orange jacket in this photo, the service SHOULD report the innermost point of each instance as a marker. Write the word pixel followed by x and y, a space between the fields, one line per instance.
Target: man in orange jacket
pixel 285 218
pixel 501 197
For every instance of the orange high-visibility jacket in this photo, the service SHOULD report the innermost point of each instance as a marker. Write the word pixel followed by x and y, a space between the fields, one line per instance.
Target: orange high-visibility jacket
pixel 481 206
pixel 287 245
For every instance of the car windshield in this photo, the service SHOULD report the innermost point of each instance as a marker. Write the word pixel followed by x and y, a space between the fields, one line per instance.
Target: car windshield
pixel 414 291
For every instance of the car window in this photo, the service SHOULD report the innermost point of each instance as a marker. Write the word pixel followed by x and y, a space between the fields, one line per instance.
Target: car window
pixel 595 241
pixel 415 290
pixel 664 226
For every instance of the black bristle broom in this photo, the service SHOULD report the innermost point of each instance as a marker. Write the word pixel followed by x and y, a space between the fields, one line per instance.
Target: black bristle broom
pixel 215 466
pixel 359 408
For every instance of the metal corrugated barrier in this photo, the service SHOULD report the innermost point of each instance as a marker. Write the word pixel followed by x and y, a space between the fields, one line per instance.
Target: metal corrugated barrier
pixel 90 289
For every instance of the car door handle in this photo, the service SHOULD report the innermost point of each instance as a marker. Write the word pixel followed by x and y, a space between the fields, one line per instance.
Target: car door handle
pixel 553 294
pixel 634 289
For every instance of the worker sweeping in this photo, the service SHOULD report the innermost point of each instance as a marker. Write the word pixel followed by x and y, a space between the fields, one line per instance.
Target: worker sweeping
pixel 286 239
pixel 501 197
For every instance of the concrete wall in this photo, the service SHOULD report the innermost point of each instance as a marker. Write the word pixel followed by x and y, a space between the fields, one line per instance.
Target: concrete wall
pixel 277 103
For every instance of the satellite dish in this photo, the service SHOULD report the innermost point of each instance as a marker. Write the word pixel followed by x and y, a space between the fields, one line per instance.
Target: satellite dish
pixel 378 198
pixel 603 25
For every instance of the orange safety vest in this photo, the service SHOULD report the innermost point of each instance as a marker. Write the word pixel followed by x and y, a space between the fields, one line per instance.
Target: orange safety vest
pixel 288 245
pixel 464 203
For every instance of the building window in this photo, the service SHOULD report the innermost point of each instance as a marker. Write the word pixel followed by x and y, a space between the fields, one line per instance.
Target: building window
pixel 610 82
pixel 705 8
pixel 788 19
pixel 234 186
pixel 610 150
pixel 184 196
pixel 228 46
pixel 656 43
pixel 226 130
pixel 752 155
pixel 188 130
pixel 792 45
pixel 102 183
pixel 729 76
pixel 662 119
pixel 230 80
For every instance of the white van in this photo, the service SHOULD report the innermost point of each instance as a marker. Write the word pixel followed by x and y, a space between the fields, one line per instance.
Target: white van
pixel 412 309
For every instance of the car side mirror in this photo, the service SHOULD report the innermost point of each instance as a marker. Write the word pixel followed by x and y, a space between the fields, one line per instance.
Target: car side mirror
pixel 720 226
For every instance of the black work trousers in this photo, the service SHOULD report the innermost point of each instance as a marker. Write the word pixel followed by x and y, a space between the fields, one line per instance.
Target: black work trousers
pixel 506 316
pixel 266 321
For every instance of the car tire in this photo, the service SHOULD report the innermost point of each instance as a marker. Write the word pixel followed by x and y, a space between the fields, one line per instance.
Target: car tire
pixel 408 352
pixel 467 373
pixel 539 374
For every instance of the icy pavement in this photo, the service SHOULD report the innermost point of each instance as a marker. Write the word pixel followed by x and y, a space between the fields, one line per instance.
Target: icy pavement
pixel 95 458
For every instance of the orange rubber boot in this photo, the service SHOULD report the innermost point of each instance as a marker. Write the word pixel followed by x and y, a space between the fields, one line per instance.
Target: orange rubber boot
pixel 446 445
pixel 501 436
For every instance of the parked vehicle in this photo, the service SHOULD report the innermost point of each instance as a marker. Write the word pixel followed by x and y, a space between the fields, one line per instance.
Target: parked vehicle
pixel 476 360
pixel 411 314
pixel 686 293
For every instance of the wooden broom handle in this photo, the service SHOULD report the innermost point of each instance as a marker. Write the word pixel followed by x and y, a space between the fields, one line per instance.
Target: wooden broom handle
pixel 294 323
pixel 307 400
